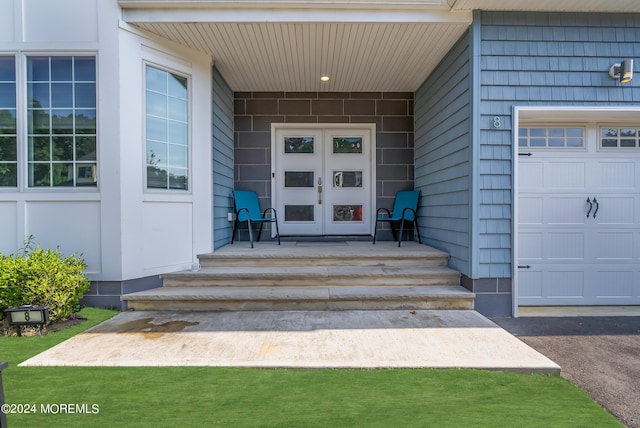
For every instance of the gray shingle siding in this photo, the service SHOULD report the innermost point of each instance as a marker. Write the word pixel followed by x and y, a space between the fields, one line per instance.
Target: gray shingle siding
pixel 443 156
pixel 222 159
pixel 538 59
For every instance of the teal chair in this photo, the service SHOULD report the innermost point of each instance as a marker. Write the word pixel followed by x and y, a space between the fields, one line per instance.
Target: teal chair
pixel 404 210
pixel 247 209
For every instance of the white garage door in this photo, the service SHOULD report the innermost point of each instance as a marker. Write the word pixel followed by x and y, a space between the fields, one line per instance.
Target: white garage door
pixel 579 215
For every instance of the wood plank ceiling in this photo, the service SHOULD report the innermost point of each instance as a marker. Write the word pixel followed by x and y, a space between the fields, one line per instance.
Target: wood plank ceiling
pixel 357 57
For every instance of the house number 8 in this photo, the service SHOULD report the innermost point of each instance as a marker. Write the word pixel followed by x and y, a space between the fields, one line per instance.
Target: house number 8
pixel 496 122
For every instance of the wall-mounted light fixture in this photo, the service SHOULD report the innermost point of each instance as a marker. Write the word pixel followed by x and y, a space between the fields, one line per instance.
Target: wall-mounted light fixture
pixel 622 71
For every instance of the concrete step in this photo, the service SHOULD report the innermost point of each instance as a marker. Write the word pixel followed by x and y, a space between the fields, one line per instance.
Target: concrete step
pixel 301 298
pixel 313 276
pixel 292 254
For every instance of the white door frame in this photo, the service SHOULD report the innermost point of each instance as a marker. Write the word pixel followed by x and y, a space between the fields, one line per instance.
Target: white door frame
pixel 551 114
pixel 346 126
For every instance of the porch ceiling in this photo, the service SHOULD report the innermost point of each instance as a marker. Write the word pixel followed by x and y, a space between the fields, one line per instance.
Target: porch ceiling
pixel 285 49
pixel 362 45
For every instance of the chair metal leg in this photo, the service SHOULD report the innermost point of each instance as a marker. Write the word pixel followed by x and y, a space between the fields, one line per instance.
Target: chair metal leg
pixel 250 232
pixel 375 230
pixel 235 227
pixel 260 232
pixel 401 230
pixel 417 230
pixel 277 231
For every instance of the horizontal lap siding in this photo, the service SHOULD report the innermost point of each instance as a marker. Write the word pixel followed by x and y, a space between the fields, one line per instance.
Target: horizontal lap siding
pixel 538 59
pixel 222 159
pixel 442 156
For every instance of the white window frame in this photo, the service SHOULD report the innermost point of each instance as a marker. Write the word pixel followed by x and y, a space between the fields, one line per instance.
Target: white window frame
pixel 547 137
pixel 23 111
pixel 619 127
pixel 180 73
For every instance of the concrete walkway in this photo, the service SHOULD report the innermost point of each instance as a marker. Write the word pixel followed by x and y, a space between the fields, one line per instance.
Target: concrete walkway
pixel 299 339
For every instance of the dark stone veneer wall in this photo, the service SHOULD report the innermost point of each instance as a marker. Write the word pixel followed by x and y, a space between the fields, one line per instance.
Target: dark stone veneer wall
pixel 392 112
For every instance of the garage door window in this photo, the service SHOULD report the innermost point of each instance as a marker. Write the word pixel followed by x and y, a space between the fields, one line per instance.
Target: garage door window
pixel 620 138
pixel 551 137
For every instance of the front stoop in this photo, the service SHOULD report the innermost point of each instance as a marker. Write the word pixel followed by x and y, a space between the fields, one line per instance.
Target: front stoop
pixel 351 276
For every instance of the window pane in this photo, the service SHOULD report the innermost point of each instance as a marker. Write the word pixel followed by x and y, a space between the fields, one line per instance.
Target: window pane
pixel 157 177
pixel 86 175
pixel 62 149
pixel 62 122
pixel 156 104
pixel 85 95
pixel 85 68
pixel 556 142
pixel 38 69
pixel 8 174
pixel 298 144
pixel 7 69
pixel 39 149
pixel 347 179
pixel 177 156
pixel 347 213
pixel 61 69
pixel 627 143
pixel 7 121
pixel 347 145
pixel 609 143
pixel 8 95
pixel 298 212
pixel 574 132
pixel 556 132
pixel 62 95
pixel 156 80
pixel 38 95
pixel 575 142
pixel 523 132
pixel 538 132
pixel 609 132
pixel 85 121
pixel 157 154
pixel 63 174
pixel 178 178
pixel 85 148
pixel 8 151
pixel 177 86
pixel 156 129
pixel 39 122
pixel 178 109
pixel 299 179
pixel 177 133
pixel 39 174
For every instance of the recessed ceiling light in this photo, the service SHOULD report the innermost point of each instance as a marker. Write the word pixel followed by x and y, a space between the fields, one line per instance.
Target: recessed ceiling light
pixel 324 79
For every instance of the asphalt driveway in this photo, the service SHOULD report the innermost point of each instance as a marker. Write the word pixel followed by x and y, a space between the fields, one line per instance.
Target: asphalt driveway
pixel 599 354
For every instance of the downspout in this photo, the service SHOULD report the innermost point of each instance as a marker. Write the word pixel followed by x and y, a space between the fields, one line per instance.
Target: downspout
pixel 474 178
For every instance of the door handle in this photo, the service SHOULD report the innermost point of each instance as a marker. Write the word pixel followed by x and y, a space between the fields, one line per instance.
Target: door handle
pixel 319 190
pixel 595 201
pixel 590 207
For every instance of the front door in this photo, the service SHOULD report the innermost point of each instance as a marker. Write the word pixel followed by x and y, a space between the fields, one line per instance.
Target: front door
pixel 323 179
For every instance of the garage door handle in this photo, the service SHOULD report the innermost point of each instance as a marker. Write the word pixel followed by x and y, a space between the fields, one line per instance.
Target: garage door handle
pixel 590 207
pixel 595 201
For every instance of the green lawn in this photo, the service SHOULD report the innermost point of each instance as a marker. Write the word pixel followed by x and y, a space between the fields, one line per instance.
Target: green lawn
pixel 204 397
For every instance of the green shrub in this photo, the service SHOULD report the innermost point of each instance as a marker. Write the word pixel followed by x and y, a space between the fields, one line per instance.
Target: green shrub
pixel 43 277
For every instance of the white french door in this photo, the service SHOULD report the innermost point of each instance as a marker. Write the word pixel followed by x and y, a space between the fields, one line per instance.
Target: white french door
pixel 323 180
